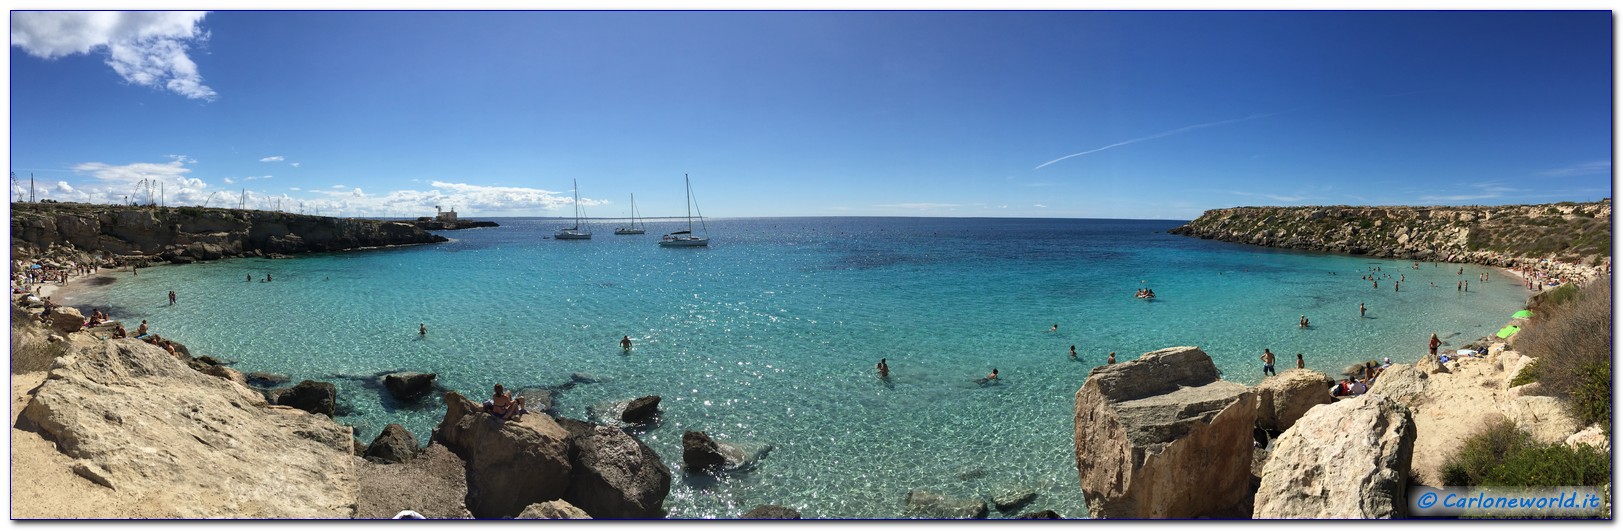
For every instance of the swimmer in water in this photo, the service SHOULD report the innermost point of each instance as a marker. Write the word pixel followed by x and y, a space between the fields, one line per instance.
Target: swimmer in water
pixel 884 368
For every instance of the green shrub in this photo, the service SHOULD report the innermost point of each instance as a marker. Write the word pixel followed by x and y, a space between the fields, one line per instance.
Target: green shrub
pixel 1528 375
pixel 1572 339
pixel 1501 455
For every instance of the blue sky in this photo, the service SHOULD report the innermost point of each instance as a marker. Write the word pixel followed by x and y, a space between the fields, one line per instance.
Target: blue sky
pixel 1031 114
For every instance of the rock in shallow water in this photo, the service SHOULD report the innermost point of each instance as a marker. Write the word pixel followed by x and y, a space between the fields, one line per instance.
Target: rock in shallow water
pixel 930 504
pixel 309 395
pixel 394 445
pixel 409 385
pixel 772 512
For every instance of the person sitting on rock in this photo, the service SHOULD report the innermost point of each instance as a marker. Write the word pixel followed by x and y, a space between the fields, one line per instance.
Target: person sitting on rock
pixel 503 406
pixel 120 333
pixel 141 330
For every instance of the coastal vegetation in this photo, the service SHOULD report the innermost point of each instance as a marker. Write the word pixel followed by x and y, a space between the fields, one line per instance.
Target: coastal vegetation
pixel 1502 455
pixel 1571 335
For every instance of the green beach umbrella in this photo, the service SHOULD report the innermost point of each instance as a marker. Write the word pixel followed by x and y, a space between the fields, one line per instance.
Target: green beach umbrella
pixel 1522 314
pixel 1508 331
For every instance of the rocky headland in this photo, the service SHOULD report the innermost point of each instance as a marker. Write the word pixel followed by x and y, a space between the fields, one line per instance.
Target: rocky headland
pixel 1506 236
pixel 118 234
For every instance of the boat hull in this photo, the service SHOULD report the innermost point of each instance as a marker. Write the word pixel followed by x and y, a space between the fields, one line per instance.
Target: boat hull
pixel 623 232
pixel 570 235
pixel 685 242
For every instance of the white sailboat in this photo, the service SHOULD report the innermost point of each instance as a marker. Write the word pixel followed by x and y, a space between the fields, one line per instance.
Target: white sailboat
pixel 576 232
pixel 685 238
pixel 634 228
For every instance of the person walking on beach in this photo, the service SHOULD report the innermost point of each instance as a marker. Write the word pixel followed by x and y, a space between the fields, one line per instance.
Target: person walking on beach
pixel 1267 363
pixel 625 343
pixel 422 329
pixel 171 297
pixel 884 368
pixel 1435 343
pixel 1299 363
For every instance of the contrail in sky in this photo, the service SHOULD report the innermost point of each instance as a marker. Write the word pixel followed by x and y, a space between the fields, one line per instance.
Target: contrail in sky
pixel 1160 135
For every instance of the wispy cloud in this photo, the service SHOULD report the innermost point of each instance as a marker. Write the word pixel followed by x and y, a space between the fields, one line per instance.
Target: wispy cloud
pixel 293 164
pixel 1599 167
pixel 147 48
pixel 1039 205
pixel 272 158
pixel 257 177
pixel 1488 190
pixel 229 181
pixel 116 183
pixel 1162 134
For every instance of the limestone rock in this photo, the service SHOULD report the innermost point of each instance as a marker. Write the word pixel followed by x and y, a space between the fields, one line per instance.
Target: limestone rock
pixel 1045 514
pixel 702 453
pixel 394 445
pixel 1349 459
pixel 511 464
pixel 265 379
pixel 1401 382
pixel 1530 389
pixel 67 319
pixel 1543 416
pixel 1595 436
pixel 641 410
pixel 616 476
pixel 1010 499
pixel 228 374
pixel 772 512
pixel 1430 365
pixel 308 395
pixel 1162 437
pixel 930 504
pixel 1284 398
pixel 189 445
pixel 409 385
pixel 553 510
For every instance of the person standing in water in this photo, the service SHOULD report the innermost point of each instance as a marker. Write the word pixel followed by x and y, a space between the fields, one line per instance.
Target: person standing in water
pixel 1299 363
pixel 625 343
pixel 1111 360
pixel 422 329
pixel 1073 352
pixel 1055 328
pixel 171 297
pixel 1360 310
pixel 884 368
pixel 250 277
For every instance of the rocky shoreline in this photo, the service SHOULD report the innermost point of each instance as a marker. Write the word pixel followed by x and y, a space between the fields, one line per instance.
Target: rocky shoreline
pixel 1515 236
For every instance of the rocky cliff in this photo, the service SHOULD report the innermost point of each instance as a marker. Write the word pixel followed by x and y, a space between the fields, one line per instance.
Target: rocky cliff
pixel 1497 235
pixel 190 233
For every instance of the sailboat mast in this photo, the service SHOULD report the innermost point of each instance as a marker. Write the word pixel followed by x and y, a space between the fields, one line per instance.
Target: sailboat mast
pixel 689 185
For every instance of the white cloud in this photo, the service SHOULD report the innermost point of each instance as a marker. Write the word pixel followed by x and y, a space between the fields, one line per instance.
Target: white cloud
pixel 257 177
pixel 1039 206
pixel 1275 197
pixel 339 186
pixel 229 181
pixel 273 158
pixel 147 48
pixel 159 181
pixel 293 164
pixel 295 188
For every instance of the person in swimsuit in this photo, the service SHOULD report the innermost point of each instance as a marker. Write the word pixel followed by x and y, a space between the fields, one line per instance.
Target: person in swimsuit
pixel 503 406
pixel 884 368
pixel 625 343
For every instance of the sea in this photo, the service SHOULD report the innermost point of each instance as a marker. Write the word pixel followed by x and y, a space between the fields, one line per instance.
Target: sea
pixel 770 336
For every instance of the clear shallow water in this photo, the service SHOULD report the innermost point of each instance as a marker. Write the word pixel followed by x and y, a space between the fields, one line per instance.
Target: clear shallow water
pixel 771 334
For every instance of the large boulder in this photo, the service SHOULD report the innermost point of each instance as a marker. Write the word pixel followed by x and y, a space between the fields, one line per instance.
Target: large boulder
pixel 553 510
pixel 641 410
pixel 394 445
pixel 1402 382
pixel 511 464
pixel 1284 398
pixel 1349 459
pixel 183 444
pixel 701 453
pixel 309 395
pixel 615 475
pixel 67 319
pixel 1543 416
pixel 1163 437
pixel 930 504
pixel 408 385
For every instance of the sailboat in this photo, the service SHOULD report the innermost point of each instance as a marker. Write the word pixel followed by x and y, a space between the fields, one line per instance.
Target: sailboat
pixel 576 232
pixel 634 228
pixel 685 238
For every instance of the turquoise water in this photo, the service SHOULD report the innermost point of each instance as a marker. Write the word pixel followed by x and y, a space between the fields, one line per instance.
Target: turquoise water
pixel 771 334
